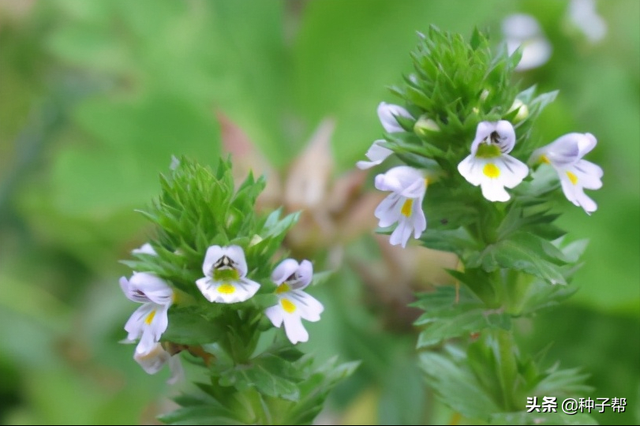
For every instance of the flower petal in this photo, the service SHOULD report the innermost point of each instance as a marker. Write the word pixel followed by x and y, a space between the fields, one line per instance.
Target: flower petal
pixel 307 306
pixel 535 52
pixel 400 179
pixel 236 254
pixel 376 154
pixel 585 202
pixel 388 211
pixel 214 253
pixel 576 195
pixel 294 329
pixel 590 174
pixel 275 315
pixel 387 114
pixel 135 324
pixel 586 143
pixel 228 291
pixel 512 170
pixel 206 287
pixel 177 371
pixel 419 220
pixel 493 190
pixel 153 325
pixel 145 249
pixel 471 169
pixel 284 270
pixel 401 234
pixel 153 360
pixel 144 286
pixel 305 272
pixel 483 131
pixel 506 136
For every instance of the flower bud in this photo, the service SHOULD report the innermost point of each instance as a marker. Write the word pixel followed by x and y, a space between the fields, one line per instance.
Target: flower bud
pixel 425 125
pixel 523 110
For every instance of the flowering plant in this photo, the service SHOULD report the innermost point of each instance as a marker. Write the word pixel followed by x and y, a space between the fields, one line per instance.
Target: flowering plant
pixel 210 294
pixel 464 125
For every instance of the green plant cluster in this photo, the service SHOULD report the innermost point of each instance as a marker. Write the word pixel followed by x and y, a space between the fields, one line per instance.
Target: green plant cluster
pixel 251 376
pixel 513 259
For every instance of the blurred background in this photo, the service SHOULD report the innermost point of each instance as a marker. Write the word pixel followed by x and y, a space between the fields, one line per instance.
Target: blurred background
pixel 96 96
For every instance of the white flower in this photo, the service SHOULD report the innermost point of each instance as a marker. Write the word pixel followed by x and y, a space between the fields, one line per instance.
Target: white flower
pixel 387 114
pixel 145 249
pixel 376 153
pixel 293 303
pixel 523 30
pixel 150 320
pixel 404 204
pixel 489 165
pixel 565 155
pixel 156 358
pixel 225 270
pixel 583 14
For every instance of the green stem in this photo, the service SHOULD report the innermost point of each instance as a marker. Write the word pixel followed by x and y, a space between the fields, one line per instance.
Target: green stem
pixel 507 368
pixel 516 285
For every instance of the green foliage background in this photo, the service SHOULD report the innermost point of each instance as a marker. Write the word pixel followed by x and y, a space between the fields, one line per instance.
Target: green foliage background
pixel 97 96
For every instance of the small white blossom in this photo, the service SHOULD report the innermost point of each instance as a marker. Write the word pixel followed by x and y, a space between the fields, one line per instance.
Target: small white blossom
pixel 404 205
pixel 583 14
pixel 294 305
pixel 565 156
pixel 523 30
pixel 225 270
pixel 387 114
pixel 150 320
pixel 376 154
pixel 156 358
pixel 145 249
pixel 489 164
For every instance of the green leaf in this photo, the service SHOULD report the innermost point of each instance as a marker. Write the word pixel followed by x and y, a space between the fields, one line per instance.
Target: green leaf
pixel 316 387
pixel 447 318
pixel 265 374
pixel 202 415
pixel 456 386
pixel 523 252
pixel 189 328
pixel 563 383
pixel 456 240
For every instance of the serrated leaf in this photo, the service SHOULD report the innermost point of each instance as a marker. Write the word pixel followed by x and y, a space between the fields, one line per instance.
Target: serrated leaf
pixel 202 415
pixel 540 296
pixel 265 374
pixel 523 252
pixel 457 322
pixel 456 386
pixel 188 328
pixel 448 315
pixel 455 240
pixel 565 383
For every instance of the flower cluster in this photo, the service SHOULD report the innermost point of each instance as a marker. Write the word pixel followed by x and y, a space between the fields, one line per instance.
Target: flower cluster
pixel 225 281
pixel 489 166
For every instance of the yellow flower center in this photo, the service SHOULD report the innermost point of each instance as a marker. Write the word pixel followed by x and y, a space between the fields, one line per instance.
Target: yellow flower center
pixel 288 306
pixel 491 171
pixel 283 288
pixel 406 207
pixel 226 288
pixel 150 317
pixel 573 178
pixel 544 159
